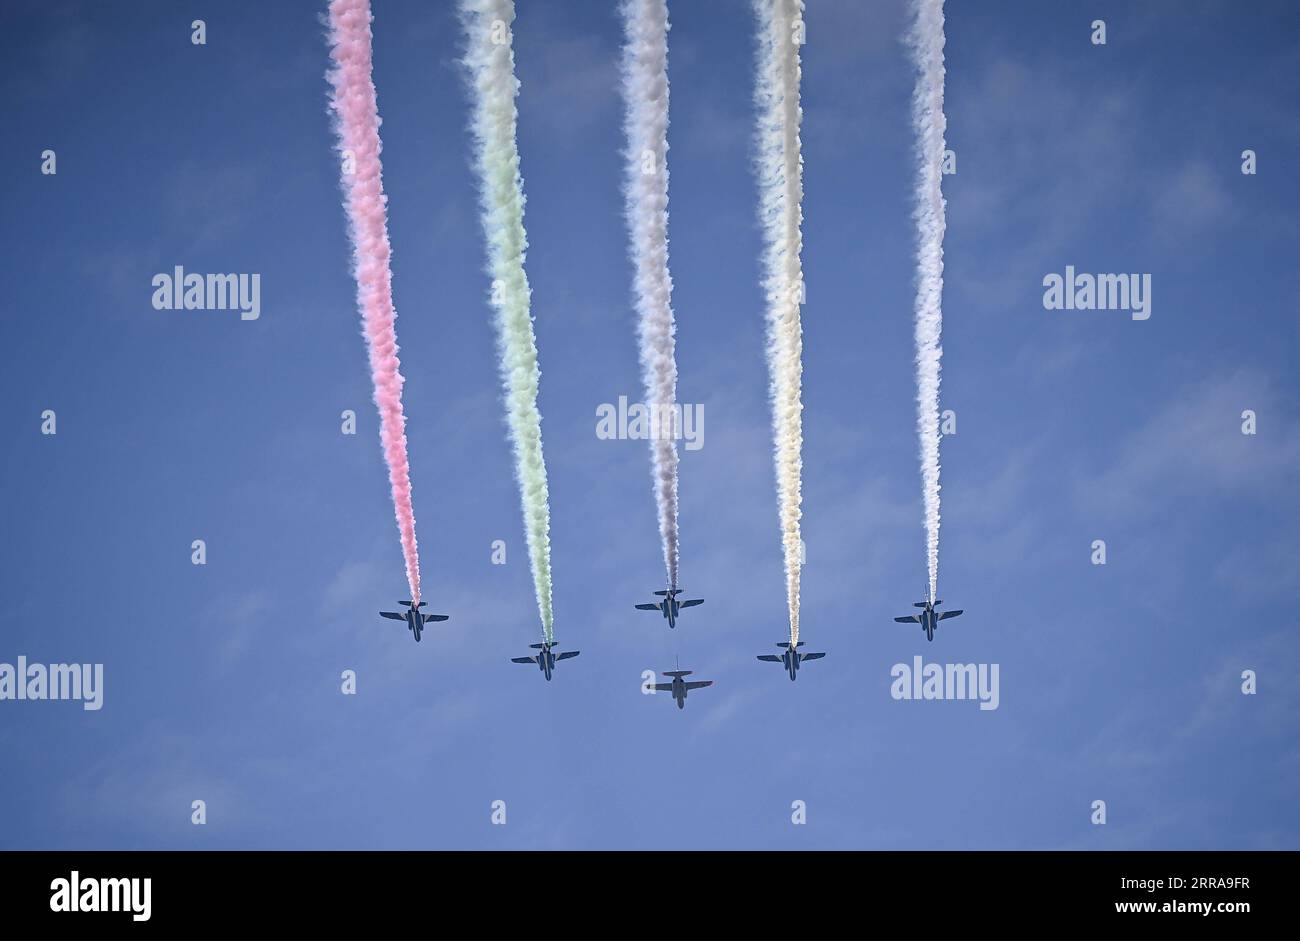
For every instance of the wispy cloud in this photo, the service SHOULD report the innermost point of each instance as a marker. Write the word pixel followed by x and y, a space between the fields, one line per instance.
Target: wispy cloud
pixel 1194 442
pixel 1188 203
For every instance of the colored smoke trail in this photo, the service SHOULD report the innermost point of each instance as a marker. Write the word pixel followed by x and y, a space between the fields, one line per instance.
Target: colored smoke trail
pixel 357 128
pixel 925 38
pixel 645 191
pixel 491 65
pixel 780 171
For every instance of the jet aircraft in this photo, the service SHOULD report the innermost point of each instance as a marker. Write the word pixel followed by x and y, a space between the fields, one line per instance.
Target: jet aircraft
pixel 680 687
pixel 670 606
pixel 545 658
pixel 414 618
pixel 790 658
pixel 928 618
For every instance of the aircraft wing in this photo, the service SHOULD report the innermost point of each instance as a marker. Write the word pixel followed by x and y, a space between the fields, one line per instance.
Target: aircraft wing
pixel 811 656
pixel 690 604
pixel 393 615
pixel 664 687
pixel 435 617
pixel 769 657
pixel 567 654
pixel 910 619
pixel 532 660
pixel 647 607
pixel 950 614
pixel 700 684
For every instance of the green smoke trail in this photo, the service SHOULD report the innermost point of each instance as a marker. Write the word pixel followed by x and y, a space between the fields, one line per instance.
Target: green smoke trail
pixel 491 65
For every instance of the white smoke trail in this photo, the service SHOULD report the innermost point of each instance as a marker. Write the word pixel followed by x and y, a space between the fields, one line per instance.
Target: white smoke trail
pixel 780 172
pixel 645 190
pixel 493 86
pixel 925 38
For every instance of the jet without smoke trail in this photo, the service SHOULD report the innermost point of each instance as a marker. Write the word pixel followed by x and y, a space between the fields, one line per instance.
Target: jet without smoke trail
pixel 357 127
pixel 925 37
pixel 645 123
pixel 780 170
pixel 491 64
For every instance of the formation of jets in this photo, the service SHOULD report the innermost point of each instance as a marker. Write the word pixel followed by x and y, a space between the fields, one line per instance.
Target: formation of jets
pixel 670 607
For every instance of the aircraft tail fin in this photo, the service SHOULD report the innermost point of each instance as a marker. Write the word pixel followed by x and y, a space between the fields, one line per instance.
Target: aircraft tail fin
pixel 536 646
pixel 661 593
pixel 679 673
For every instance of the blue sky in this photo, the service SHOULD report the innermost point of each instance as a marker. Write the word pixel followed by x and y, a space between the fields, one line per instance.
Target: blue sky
pixel 1118 682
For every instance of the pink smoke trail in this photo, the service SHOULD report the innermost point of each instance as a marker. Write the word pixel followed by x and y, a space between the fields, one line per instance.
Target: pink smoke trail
pixel 357 127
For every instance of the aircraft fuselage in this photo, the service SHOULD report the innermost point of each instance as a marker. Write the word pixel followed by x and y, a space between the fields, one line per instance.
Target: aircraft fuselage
pixel 415 622
pixel 791 658
pixel 929 621
pixel 670 608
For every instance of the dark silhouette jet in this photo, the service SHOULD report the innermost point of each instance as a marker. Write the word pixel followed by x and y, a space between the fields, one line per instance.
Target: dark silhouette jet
pixel 414 618
pixel 670 606
pixel 929 618
pixel 545 659
pixel 790 658
pixel 679 687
